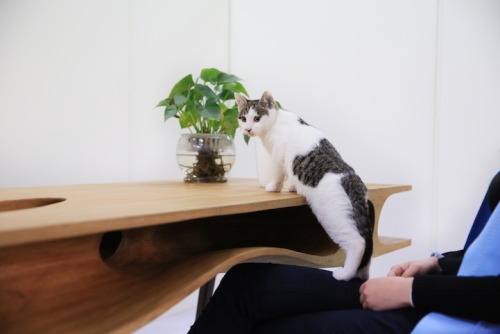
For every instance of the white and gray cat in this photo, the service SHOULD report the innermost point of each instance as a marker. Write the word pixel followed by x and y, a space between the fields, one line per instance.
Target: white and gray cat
pixel 314 168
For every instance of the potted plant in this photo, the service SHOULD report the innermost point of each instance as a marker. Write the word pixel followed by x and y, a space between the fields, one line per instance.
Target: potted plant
pixel 206 153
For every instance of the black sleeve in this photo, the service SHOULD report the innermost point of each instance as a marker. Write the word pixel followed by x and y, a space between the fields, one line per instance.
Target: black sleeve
pixel 474 298
pixel 493 194
pixel 450 262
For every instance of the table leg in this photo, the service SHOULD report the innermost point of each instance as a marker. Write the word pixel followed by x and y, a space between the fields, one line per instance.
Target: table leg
pixel 204 295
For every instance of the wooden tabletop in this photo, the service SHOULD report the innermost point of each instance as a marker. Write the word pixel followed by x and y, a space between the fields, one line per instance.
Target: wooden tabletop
pixel 109 258
pixel 55 212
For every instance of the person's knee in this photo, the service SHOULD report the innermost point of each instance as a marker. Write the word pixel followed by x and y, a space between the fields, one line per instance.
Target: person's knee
pixel 243 275
pixel 242 279
pixel 241 270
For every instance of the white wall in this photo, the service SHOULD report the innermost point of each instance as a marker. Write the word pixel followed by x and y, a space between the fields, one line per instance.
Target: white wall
pixel 80 81
pixel 467 115
pixel 408 92
pixel 64 92
pixel 168 40
pixel 363 72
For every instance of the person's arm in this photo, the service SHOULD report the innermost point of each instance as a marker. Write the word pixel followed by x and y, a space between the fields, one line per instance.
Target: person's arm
pixel 394 291
pixel 450 262
pixel 474 298
pixel 430 285
pixel 447 264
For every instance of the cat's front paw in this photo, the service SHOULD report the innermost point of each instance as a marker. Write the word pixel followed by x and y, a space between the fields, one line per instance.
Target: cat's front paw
pixel 342 274
pixel 274 187
pixel 292 188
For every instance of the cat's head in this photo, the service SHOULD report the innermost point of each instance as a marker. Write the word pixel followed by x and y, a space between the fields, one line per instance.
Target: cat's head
pixel 256 116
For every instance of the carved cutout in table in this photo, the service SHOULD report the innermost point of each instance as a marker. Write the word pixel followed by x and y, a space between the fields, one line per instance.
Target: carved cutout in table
pixel 112 257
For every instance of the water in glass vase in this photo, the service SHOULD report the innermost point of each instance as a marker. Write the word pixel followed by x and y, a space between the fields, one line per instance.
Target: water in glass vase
pixel 199 168
pixel 205 157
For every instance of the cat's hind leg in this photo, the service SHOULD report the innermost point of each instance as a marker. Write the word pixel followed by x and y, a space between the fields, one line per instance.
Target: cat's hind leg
pixel 345 234
pixel 364 273
pixel 354 249
pixel 334 211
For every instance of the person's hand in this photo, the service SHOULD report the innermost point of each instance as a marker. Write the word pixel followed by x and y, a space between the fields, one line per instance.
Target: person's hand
pixel 413 268
pixel 386 293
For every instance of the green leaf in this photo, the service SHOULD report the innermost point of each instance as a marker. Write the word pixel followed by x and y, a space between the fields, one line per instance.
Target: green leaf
pixel 214 126
pixel 180 99
pixel 230 122
pixel 170 111
pixel 188 119
pixel 202 106
pixel 185 120
pixel 195 95
pixel 235 87
pixel 182 86
pixel 205 90
pixel 209 74
pixel 226 95
pixel 224 77
pixel 164 103
pixel 228 90
pixel 278 105
pixel 211 110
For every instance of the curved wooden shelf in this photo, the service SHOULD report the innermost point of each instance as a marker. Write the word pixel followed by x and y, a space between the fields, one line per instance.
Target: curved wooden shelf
pixel 113 257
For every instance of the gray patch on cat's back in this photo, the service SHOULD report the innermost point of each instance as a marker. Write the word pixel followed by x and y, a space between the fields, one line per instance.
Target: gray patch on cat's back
pixel 324 158
pixel 356 191
pixel 301 121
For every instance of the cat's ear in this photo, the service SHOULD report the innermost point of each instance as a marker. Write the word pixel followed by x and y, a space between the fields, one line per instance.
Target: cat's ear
pixel 240 100
pixel 267 100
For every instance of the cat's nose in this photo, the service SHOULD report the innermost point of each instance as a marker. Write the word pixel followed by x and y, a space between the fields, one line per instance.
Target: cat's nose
pixel 249 130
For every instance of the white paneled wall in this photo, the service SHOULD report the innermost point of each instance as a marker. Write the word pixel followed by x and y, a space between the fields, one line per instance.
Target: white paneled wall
pixel 64 92
pixel 408 92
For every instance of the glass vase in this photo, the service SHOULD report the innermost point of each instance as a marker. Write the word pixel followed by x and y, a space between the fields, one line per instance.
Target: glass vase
pixel 205 157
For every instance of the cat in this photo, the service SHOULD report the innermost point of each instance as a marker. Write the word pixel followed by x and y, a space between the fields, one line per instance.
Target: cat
pixel 313 168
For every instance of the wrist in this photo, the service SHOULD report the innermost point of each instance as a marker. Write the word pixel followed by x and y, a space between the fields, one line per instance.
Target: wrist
pixel 435 256
pixel 410 293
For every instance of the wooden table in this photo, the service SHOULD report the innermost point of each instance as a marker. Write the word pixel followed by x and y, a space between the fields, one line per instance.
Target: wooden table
pixel 112 257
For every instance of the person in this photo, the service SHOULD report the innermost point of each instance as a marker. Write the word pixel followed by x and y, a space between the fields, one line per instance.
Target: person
pixel 275 298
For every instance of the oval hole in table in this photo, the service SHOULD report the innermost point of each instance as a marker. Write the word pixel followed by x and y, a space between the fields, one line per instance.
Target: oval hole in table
pixel 28 203
pixel 110 242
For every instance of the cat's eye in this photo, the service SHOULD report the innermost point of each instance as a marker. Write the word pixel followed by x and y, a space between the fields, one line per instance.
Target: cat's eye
pixel 256 118
pixel 243 118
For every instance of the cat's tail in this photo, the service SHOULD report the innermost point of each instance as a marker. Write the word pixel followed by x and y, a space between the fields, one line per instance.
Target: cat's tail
pixel 358 195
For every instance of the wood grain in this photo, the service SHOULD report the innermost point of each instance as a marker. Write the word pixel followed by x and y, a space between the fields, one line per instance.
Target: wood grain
pixel 111 258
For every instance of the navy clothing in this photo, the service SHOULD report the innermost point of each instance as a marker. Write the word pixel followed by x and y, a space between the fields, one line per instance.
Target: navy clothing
pixel 270 298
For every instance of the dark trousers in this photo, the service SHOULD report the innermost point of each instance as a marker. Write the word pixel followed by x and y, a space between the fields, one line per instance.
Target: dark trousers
pixel 269 298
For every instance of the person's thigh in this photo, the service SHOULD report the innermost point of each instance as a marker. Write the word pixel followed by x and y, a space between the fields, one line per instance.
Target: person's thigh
pixel 344 321
pixel 252 293
pixel 279 290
